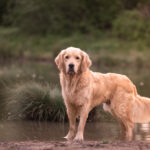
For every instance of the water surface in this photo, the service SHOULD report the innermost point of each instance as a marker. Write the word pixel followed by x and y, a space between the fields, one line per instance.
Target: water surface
pixel 47 131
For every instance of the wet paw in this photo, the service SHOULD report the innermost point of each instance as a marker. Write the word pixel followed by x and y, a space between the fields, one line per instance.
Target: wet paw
pixel 69 137
pixel 78 139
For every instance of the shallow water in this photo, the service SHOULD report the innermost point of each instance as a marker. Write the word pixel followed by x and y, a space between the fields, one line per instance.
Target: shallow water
pixel 47 131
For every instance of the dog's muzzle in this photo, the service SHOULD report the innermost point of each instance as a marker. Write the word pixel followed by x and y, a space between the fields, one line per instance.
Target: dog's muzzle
pixel 71 69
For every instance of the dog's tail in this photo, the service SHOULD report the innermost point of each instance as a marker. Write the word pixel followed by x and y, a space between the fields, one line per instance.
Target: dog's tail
pixel 141 109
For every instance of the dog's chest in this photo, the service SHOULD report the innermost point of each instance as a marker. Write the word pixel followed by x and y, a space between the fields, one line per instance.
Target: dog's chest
pixel 75 90
pixel 75 94
pixel 75 98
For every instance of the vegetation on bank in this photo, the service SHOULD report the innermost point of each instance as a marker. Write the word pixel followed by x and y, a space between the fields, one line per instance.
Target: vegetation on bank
pixel 35 29
pixel 104 45
pixel 34 101
pixel 113 32
pixel 66 17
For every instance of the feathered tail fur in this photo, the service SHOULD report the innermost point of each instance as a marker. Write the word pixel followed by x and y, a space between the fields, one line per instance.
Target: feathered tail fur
pixel 141 109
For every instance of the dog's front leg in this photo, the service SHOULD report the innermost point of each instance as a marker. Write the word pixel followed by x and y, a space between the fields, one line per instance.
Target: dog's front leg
pixel 72 123
pixel 83 117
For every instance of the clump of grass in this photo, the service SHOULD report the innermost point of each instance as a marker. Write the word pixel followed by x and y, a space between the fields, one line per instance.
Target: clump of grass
pixel 36 102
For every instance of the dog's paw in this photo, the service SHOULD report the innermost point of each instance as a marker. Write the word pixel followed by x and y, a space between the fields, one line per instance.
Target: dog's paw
pixel 78 139
pixel 69 137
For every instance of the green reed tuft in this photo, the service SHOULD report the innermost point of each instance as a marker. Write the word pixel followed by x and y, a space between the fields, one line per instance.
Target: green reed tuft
pixel 36 102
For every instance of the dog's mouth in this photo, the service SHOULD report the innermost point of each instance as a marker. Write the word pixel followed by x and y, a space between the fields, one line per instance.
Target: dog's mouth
pixel 71 71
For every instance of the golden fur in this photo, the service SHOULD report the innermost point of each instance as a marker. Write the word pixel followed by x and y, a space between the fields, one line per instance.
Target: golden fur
pixel 83 89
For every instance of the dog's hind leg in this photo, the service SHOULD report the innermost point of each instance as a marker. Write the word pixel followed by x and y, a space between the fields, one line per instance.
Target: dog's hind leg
pixel 121 106
pixel 121 123
pixel 129 131
pixel 123 128
pixel 127 127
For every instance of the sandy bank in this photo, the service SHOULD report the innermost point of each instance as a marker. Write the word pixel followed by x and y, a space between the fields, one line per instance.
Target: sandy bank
pixel 88 145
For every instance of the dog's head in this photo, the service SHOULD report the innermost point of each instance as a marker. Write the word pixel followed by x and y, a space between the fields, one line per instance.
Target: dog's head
pixel 73 61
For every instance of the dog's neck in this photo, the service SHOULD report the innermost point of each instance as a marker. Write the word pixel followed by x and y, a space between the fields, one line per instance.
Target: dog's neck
pixel 74 81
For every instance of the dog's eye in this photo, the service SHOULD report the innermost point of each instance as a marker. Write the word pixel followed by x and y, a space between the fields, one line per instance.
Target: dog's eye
pixel 67 57
pixel 77 57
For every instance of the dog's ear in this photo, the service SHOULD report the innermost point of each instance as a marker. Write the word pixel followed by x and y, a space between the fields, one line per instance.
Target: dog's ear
pixel 59 60
pixel 86 62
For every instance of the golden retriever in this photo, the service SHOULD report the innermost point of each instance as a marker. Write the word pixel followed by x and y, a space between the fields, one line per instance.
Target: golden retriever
pixel 83 89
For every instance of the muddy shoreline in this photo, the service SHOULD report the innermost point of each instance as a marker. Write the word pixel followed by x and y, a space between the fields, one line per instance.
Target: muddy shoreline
pixel 88 145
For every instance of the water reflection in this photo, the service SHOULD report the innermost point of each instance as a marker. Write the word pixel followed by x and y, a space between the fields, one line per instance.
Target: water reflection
pixel 47 131
pixel 29 130
pixel 142 131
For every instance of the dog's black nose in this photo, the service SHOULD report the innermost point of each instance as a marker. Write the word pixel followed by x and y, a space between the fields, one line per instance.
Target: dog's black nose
pixel 71 65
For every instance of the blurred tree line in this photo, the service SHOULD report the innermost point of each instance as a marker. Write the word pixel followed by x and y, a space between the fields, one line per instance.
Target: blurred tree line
pixel 65 16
